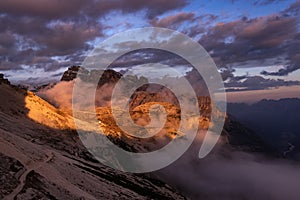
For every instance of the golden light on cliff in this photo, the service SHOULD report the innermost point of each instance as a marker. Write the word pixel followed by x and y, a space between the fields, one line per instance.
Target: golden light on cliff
pixel 44 113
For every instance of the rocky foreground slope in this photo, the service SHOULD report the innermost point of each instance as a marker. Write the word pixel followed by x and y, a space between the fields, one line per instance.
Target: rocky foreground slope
pixel 41 157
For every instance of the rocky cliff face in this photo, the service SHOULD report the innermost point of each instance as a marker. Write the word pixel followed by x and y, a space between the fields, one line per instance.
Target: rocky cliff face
pixel 234 133
pixel 164 95
pixel 41 157
pixel 70 74
pixel 107 77
pixel 144 94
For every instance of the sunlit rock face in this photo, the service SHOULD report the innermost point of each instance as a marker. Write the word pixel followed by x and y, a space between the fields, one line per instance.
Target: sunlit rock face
pixel 44 113
pixel 140 116
pixel 42 157
pixel 146 93
pixel 139 105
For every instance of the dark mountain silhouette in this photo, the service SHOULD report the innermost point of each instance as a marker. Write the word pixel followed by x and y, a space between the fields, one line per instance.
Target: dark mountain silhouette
pixel 276 122
pixel 4 80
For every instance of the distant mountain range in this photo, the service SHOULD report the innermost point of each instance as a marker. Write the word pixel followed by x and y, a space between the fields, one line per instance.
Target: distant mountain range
pixel 275 121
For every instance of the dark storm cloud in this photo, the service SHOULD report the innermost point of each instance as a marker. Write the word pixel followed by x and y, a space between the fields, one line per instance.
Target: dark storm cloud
pixel 256 83
pixel 66 9
pixel 243 83
pixel 283 71
pixel 26 39
pixel 251 39
pixel 293 56
pixel 67 38
pixel 294 8
pixel 154 7
pixel 33 31
pixel 6 65
pixel 203 23
pixel 28 27
pixel 186 22
pixel 144 56
pixel 255 39
pixel 173 21
pixel 48 9
pixel 293 46
pixel 6 39
pixel 59 37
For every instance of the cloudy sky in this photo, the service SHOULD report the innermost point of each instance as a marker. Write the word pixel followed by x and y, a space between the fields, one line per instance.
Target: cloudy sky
pixel 256 45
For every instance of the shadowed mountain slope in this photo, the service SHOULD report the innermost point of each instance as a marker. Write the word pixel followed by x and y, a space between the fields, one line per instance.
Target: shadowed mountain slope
pixel 275 121
pixel 43 158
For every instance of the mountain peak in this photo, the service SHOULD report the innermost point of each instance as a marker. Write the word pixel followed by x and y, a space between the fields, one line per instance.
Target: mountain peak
pixel 70 74
pixel 4 80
